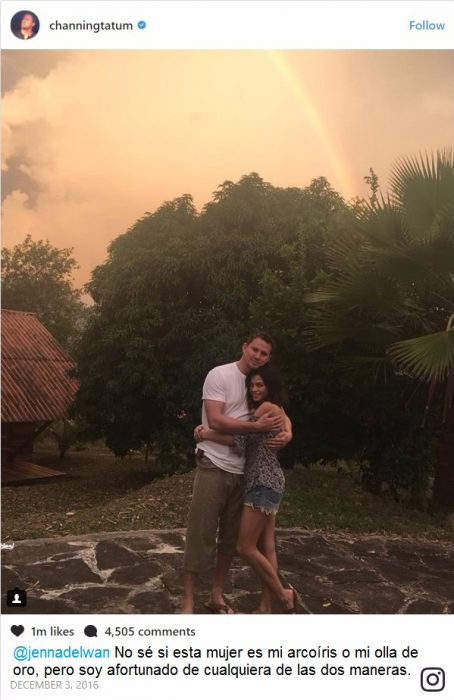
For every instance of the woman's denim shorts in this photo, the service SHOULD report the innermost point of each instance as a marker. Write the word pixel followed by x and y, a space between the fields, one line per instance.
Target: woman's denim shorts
pixel 265 499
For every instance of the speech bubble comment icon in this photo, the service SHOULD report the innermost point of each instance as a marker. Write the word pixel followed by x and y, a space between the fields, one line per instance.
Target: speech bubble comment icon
pixel 91 631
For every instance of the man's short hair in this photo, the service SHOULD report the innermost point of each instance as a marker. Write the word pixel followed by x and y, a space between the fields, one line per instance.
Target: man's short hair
pixel 257 333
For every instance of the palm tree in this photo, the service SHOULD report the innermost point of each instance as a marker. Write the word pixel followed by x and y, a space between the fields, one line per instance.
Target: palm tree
pixel 389 302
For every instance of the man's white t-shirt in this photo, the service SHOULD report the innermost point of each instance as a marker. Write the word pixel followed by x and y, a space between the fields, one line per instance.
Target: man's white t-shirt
pixel 227 384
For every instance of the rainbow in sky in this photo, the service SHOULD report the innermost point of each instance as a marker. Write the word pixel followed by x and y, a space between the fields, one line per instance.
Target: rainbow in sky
pixel 344 181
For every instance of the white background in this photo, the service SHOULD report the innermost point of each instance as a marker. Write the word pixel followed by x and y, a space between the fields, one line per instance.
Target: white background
pixel 255 24
pixel 431 635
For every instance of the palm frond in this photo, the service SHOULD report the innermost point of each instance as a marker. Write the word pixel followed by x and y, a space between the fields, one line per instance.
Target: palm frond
pixel 423 187
pixel 382 224
pixel 392 277
pixel 419 262
pixel 426 357
pixel 375 369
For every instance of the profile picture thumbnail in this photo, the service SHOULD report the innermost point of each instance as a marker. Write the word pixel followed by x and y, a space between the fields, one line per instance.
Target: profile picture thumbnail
pixel 25 25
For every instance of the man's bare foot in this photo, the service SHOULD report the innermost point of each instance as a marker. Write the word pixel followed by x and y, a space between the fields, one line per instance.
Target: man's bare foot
pixel 219 606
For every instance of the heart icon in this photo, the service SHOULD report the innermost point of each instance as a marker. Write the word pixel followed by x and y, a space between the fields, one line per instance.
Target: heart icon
pixel 17 630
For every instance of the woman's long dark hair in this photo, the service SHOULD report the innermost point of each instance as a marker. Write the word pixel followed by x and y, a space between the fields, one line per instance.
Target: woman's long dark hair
pixel 273 382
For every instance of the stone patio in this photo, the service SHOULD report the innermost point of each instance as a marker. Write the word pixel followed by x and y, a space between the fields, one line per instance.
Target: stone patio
pixel 140 572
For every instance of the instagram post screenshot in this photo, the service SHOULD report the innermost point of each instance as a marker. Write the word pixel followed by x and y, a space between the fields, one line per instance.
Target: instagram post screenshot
pixel 227 349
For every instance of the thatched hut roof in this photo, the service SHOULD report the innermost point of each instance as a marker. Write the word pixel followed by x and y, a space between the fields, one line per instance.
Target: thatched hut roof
pixel 35 381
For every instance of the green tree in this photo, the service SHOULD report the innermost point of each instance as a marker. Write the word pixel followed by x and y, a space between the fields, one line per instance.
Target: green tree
pixel 133 358
pixel 323 428
pixel 386 305
pixel 67 432
pixel 173 300
pixel 37 277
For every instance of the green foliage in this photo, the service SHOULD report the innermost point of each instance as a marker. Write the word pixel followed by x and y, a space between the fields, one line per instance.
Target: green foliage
pixel 323 412
pixel 173 300
pixel 181 289
pixel 386 303
pixel 429 356
pixel 67 433
pixel 36 276
pixel 107 494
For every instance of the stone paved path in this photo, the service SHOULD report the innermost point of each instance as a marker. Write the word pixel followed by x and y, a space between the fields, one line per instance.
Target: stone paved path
pixel 140 572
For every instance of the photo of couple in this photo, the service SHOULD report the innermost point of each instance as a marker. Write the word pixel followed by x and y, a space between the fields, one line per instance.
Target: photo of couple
pixel 239 482
pixel 245 189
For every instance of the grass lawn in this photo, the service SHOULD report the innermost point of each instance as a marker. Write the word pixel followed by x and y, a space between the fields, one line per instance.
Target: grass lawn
pixel 102 494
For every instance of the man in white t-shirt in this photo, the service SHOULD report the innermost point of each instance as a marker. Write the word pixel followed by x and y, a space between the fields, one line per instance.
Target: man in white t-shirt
pixel 217 498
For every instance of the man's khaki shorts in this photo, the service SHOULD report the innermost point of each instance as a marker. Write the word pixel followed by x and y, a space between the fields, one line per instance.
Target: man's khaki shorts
pixel 214 515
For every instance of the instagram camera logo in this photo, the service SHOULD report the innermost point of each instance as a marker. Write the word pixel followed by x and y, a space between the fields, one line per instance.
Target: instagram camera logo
pixel 432 679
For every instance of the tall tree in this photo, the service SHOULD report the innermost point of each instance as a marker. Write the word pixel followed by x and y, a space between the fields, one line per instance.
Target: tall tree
pixel 134 359
pixel 37 276
pixel 173 300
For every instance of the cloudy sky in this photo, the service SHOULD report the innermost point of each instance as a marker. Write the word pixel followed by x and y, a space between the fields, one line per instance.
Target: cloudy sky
pixel 94 139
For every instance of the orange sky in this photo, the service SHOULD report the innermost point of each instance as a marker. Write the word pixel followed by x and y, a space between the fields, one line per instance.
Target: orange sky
pixel 92 140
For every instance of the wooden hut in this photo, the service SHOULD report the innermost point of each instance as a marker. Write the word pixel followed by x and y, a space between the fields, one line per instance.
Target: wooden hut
pixel 36 390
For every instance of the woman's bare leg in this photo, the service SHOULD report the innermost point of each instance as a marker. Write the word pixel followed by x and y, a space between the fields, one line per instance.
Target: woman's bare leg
pixel 267 546
pixel 253 524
